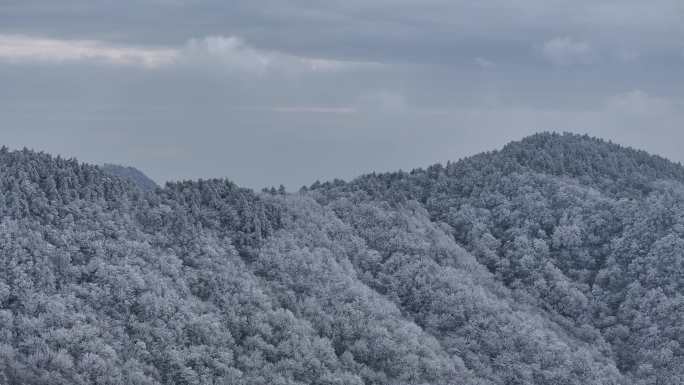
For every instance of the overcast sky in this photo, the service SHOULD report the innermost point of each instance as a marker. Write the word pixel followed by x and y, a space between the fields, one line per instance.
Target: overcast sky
pixel 266 92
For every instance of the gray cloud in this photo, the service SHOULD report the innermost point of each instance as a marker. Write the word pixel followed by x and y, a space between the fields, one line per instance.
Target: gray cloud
pixel 287 91
pixel 567 51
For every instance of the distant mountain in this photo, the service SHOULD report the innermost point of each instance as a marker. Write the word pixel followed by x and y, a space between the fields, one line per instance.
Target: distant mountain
pixel 558 259
pixel 131 173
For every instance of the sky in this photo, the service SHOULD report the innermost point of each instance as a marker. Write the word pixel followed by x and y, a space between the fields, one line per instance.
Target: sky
pixel 269 92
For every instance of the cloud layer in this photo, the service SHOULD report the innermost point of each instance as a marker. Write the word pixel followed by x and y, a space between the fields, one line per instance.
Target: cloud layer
pixel 18 48
pixel 290 91
pixel 229 53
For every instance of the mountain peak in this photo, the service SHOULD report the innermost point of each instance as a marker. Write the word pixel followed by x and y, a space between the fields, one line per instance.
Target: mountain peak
pixel 132 174
pixel 592 160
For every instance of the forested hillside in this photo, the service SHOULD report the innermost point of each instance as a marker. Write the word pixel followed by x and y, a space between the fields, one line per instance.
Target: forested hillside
pixel 557 260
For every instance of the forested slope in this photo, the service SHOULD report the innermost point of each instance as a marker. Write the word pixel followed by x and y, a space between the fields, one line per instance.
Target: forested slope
pixel 556 260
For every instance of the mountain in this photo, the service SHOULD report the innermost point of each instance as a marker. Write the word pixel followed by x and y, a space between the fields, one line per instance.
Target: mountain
pixel 558 259
pixel 133 174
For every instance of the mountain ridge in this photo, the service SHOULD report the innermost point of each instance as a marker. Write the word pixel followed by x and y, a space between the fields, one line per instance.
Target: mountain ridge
pixel 557 259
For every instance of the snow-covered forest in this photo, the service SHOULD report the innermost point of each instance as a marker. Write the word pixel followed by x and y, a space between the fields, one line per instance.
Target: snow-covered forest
pixel 558 259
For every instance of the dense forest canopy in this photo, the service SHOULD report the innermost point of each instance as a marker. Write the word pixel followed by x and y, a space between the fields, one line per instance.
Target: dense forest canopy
pixel 558 259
